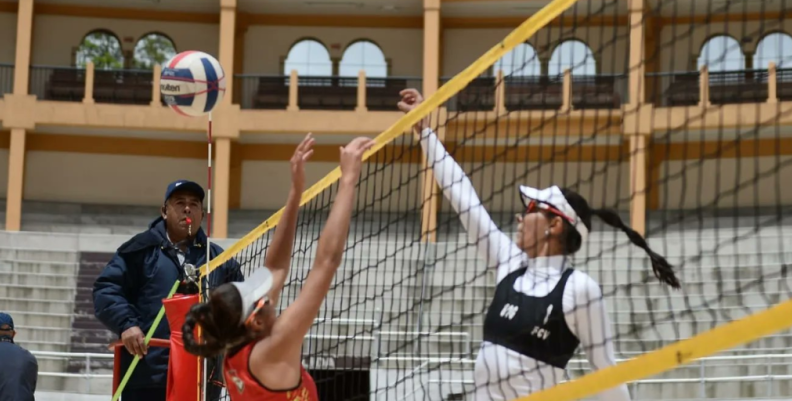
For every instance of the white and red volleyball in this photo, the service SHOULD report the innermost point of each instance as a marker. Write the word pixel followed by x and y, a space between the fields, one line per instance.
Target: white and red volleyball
pixel 192 83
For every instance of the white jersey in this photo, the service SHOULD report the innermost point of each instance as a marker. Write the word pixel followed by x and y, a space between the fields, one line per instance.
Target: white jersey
pixel 502 373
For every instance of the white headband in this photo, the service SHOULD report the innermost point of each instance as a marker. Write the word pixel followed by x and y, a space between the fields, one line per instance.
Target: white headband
pixel 553 196
pixel 252 289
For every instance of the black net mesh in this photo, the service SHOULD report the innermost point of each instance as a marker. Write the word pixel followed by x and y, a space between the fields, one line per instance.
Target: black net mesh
pixel 405 317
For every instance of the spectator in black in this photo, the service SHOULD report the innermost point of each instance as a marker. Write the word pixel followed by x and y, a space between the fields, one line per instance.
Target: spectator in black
pixel 20 369
pixel 128 293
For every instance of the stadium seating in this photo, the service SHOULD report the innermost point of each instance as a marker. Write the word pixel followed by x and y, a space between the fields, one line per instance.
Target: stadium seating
pixel 364 317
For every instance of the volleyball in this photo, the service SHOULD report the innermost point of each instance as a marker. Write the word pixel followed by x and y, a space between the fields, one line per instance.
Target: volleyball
pixel 192 83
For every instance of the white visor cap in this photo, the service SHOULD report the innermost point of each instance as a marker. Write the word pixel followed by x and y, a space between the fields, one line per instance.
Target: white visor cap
pixel 553 196
pixel 252 289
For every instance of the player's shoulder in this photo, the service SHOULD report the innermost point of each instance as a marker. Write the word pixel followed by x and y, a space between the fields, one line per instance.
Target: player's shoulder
pixel 583 283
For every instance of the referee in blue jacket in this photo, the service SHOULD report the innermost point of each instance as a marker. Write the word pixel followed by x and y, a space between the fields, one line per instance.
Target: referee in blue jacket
pixel 128 293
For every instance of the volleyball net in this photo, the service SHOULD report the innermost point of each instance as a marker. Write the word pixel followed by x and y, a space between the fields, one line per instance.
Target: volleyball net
pixel 675 114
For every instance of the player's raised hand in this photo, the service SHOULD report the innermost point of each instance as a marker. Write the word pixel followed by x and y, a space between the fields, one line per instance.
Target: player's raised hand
pixel 410 99
pixel 352 157
pixel 301 155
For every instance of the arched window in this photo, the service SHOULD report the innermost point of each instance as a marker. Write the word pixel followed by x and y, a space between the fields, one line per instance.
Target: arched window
pixel 153 49
pixel 363 55
pixel 521 61
pixel 575 55
pixel 102 48
pixel 309 58
pixel 722 53
pixel 776 48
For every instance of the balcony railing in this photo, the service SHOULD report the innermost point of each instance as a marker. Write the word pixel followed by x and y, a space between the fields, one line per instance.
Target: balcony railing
pixel 485 93
pixel 123 86
pixel 57 83
pixel 565 91
pixel 320 93
pixel 719 87
pixel 6 78
pixel 71 84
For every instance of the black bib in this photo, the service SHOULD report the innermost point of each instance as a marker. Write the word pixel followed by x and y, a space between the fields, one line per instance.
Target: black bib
pixel 533 326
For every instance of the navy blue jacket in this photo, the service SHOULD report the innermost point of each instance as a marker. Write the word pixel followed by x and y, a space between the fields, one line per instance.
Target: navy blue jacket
pixel 19 372
pixel 130 290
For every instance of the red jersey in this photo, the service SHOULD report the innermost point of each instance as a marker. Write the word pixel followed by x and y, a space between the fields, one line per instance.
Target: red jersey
pixel 243 386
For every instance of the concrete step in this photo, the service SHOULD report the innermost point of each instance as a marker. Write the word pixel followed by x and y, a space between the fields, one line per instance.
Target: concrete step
pixel 25 341
pixel 38 267
pixel 38 279
pixel 60 335
pixel 35 254
pixel 64 294
pixel 41 319
pixel 729 388
pixel 37 305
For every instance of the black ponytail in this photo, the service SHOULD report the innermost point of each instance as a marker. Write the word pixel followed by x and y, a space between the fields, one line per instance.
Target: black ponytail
pixel 200 313
pixel 219 320
pixel 661 267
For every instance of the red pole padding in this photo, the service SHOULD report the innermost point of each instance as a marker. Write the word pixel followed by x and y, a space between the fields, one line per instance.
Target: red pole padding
pixel 183 367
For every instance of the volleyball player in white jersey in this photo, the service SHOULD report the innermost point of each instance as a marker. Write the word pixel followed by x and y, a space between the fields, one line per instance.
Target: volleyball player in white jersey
pixel 543 308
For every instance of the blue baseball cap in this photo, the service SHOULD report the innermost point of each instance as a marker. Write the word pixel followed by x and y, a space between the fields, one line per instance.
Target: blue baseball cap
pixel 184 185
pixel 5 320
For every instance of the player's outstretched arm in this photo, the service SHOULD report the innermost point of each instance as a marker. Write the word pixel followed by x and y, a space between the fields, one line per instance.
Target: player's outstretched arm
pixel 491 243
pixel 280 250
pixel 292 326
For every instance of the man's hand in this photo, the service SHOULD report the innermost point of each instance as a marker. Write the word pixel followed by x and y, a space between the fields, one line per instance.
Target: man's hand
pixel 352 157
pixel 301 155
pixel 411 99
pixel 134 341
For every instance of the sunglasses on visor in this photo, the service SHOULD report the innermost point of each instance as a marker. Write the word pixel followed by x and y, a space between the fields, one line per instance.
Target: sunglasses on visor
pixel 264 301
pixel 534 206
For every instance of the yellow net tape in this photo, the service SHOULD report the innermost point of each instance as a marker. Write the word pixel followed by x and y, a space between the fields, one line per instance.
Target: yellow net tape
pixel 720 338
pixel 456 84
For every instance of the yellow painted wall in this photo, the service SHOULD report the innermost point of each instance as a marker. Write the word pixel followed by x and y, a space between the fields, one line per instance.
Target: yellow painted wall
pixel 265 184
pixel 55 36
pixel 104 179
pixel 464 46
pixel 702 182
pixel 266 45
pixel 601 183
pixel 3 172
pixel 7 37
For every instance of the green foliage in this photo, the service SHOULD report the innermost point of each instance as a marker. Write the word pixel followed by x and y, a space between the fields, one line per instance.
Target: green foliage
pixel 103 49
pixel 151 50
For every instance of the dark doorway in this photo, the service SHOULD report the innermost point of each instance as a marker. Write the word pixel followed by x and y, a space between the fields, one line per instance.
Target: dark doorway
pixel 342 384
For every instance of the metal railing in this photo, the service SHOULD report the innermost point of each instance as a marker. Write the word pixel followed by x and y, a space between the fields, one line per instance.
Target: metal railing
pixel 57 83
pixel 6 78
pixel 123 86
pixel 267 92
pixel 669 89
pixel 88 374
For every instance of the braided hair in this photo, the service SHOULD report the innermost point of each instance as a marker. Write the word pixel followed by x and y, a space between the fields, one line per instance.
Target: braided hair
pixel 219 319
pixel 572 240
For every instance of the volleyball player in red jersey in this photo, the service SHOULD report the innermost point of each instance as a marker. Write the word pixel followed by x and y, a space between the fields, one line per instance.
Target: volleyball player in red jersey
pixel 262 350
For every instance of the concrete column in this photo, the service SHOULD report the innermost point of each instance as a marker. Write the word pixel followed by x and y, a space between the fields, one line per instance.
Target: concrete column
pixel 23 45
pixel 431 75
pixel 221 188
pixel 228 9
pixel 637 129
pixel 637 69
pixel 16 179
pixel 16 154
